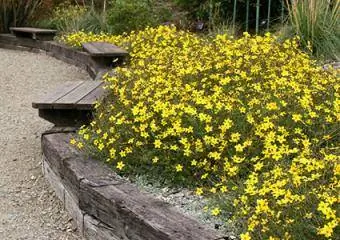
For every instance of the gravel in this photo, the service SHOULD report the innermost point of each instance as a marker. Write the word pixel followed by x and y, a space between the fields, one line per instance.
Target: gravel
pixel 186 202
pixel 29 208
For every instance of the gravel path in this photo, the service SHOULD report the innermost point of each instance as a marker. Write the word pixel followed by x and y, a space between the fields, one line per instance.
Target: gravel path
pixel 28 207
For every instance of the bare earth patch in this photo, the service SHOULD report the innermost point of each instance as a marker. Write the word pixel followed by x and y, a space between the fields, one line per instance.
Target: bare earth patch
pixel 28 206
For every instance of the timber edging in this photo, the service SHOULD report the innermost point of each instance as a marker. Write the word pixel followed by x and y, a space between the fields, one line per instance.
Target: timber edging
pixel 105 206
pixel 56 50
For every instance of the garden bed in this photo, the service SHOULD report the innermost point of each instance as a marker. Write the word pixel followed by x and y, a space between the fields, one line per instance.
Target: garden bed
pixel 209 123
pixel 250 122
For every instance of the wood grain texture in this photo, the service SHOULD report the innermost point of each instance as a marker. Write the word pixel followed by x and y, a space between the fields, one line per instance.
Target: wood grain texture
pixel 47 101
pixel 80 95
pixel 71 99
pixel 95 230
pixel 103 49
pixel 127 212
pixel 33 30
pixel 97 94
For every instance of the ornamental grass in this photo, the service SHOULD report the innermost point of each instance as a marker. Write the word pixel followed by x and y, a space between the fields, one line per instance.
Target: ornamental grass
pixel 249 121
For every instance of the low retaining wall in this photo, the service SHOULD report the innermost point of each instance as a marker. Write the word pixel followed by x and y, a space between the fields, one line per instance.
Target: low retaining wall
pixel 106 207
pixel 54 49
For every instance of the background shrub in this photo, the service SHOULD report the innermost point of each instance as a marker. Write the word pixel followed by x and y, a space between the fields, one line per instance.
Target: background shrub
pixel 128 15
pixel 317 22
pixel 17 13
pixel 66 17
pixel 116 16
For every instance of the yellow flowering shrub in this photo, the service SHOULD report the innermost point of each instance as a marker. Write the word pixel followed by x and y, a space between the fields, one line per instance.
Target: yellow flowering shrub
pixel 250 118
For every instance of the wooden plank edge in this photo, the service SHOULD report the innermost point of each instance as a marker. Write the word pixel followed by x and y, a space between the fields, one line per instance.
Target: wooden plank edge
pixel 82 101
pixel 87 226
pixel 41 103
pixel 168 227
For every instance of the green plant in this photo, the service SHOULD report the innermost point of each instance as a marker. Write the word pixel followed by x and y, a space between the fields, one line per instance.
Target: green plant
pixel 116 17
pixel 94 21
pixel 128 15
pixel 16 13
pixel 218 12
pixel 317 23
pixel 67 17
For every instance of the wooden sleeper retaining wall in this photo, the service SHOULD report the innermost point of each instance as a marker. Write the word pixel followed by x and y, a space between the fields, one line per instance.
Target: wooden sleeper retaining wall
pixel 104 206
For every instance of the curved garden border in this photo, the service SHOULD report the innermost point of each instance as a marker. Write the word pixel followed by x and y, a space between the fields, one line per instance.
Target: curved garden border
pixel 56 50
pixel 103 205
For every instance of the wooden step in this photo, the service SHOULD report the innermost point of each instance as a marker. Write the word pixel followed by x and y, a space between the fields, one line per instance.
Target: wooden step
pixel 34 33
pixel 71 104
pixel 103 49
pixel 104 53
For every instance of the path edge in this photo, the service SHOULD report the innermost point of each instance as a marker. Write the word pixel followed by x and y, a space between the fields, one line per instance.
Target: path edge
pixel 57 50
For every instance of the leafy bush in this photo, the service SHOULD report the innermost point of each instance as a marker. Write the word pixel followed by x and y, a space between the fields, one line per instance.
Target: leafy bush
pixel 118 17
pixel 317 22
pixel 128 15
pixel 250 121
pixel 67 17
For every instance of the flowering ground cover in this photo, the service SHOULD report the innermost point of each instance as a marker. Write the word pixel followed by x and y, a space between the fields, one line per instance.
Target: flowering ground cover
pixel 251 122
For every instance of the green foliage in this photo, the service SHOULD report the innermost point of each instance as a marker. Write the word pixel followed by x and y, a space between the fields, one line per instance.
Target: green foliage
pixel 128 15
pixel 220 12
pixel 67 17
pixel 16 13
pixel 116 17
pixel 317 23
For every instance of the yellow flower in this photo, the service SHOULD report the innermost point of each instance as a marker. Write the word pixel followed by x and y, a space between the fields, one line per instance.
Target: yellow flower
pixel 239 148
pixel 258 166
pixel 86 136
pixel 224 189
pixel 272 106
pixel 157 143
pixel 73 141
pixel 80 145
pixel 245 236
pixel 155 160
pixel 120 165
pixel 235 137
pixel 179 168
pixel 101 146
pixel 297 117
pixel 194 163
pixel 199 191
pixel 216 211
pixel 327 229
